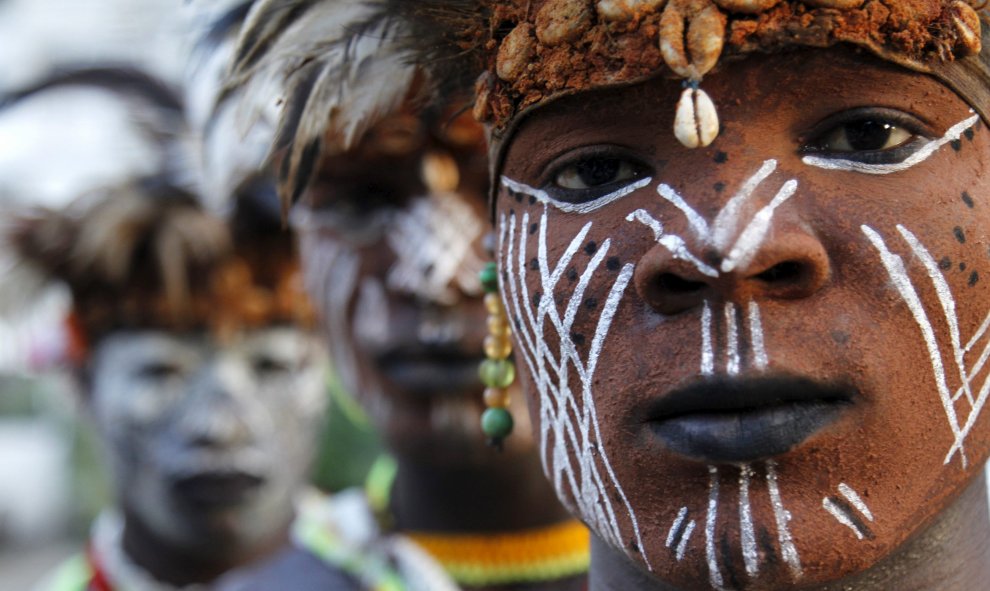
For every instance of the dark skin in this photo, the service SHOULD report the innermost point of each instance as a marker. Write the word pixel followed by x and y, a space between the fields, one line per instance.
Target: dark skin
pixel 940 557
pixel 448 479
pixel 831 315
pixel 183 566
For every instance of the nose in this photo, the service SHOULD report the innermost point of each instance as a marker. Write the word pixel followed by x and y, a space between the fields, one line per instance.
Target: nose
pixel 214 416
pixel 791 263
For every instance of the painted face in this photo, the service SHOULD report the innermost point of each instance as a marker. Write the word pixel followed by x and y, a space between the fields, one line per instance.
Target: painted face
pixel 764 363
pixel 392 244
pixel 208 443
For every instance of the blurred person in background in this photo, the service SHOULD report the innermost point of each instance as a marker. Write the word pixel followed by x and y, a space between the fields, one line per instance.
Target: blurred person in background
pixel 190 342
pixel 390 215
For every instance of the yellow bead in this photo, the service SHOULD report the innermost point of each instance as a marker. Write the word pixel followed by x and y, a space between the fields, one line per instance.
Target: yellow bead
pixel 497 398
pixel 498 326
pixel 493 303
pixel 497 347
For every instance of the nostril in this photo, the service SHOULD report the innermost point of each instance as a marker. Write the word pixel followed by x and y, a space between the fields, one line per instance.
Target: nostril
pixel 786 272
pixel 675 284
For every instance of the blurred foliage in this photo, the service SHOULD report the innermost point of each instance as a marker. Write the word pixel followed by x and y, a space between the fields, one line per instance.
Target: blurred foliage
pixel 349 443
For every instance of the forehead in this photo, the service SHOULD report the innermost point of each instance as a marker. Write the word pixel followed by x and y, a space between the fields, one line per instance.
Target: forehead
pixel 128 346
pixel 797 89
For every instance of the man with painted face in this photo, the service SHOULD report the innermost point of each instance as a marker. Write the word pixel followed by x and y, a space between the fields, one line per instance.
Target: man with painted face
pixel 197 370
pixel 742 244
pixel 390 214
pixel 191 342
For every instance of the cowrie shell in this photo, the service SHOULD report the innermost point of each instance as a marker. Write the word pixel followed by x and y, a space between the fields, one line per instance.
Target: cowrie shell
pixel 696 122
pixel 623 10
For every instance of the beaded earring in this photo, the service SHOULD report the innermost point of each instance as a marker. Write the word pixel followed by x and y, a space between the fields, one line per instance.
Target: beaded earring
pixel 497 371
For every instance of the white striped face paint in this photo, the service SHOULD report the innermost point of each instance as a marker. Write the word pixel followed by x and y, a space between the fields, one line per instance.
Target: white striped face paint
pixel 392 243
pixel 901 319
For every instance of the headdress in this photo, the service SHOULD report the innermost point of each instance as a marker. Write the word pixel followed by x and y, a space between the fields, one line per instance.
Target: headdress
pixel 232 137
pixel 140 252
pixel 145 255
pixel 343 63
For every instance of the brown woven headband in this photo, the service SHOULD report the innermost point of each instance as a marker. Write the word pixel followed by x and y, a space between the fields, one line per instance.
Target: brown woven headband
pixel 561 47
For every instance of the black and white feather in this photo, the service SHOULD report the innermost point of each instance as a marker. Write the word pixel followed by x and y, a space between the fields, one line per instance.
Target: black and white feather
pixel 232 154
pixel 336 67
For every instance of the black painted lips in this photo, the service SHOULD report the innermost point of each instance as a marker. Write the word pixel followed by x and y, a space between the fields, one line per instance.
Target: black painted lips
pixel 726 420
pixel 429 371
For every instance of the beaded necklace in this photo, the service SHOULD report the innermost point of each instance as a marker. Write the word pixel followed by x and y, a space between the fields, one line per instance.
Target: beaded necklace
pixel 536 555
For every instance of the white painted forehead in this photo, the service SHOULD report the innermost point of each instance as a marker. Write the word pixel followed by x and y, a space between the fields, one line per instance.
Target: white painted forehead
pixel 58 144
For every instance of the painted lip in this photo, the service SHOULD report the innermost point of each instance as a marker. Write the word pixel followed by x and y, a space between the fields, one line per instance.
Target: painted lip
pixel 724 420
pixel 430 371
pixel 212 489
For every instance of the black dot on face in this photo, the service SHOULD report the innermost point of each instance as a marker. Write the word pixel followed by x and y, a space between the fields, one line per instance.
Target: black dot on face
pixel 512 213
pixel 962 266
pixel 591 247
pixel 534 265
pixel 518 196
pixel 613 264
pixel 634 547
pixel 572 274
pixel 974 278
pixel 956 145
pixel 577 338
pixel 840 337
pixel 970 134
pixel 533 228
pixel 532 200
pixel 591 303
pixel 945 263
pixel 960 235
pixel 719 187
pixel 426 269
pixel 968 200
pixel 721 157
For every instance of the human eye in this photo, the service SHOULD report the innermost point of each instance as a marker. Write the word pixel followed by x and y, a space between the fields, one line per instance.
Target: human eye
pixel 158 370
pixel 267 365
pixel 354 213
pixel 868 140
pixel 590 179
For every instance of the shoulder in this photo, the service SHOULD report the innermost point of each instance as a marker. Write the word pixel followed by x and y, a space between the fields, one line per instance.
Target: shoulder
pixel 292 568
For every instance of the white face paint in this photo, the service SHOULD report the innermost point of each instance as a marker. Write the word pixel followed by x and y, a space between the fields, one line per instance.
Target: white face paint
pixel 574 458
pixel 923 153
pixel 434 244
pixel 209 443
pixel 820 510
pixel 962 395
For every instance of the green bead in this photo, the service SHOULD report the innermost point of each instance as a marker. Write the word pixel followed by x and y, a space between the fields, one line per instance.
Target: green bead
pixel 489 278
pixel 496 423
pixel 497 373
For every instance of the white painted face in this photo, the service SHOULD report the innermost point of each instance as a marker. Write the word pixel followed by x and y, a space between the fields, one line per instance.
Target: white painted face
pixel 209 443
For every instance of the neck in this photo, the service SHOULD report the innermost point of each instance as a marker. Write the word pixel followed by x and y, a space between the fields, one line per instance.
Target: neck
pixel 507 493
pixel 180 566
pixel 951 554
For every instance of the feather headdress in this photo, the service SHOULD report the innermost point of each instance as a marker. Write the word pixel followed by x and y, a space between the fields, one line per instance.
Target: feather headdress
pixel 232 154
pixel 337 67
pixel 146 255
